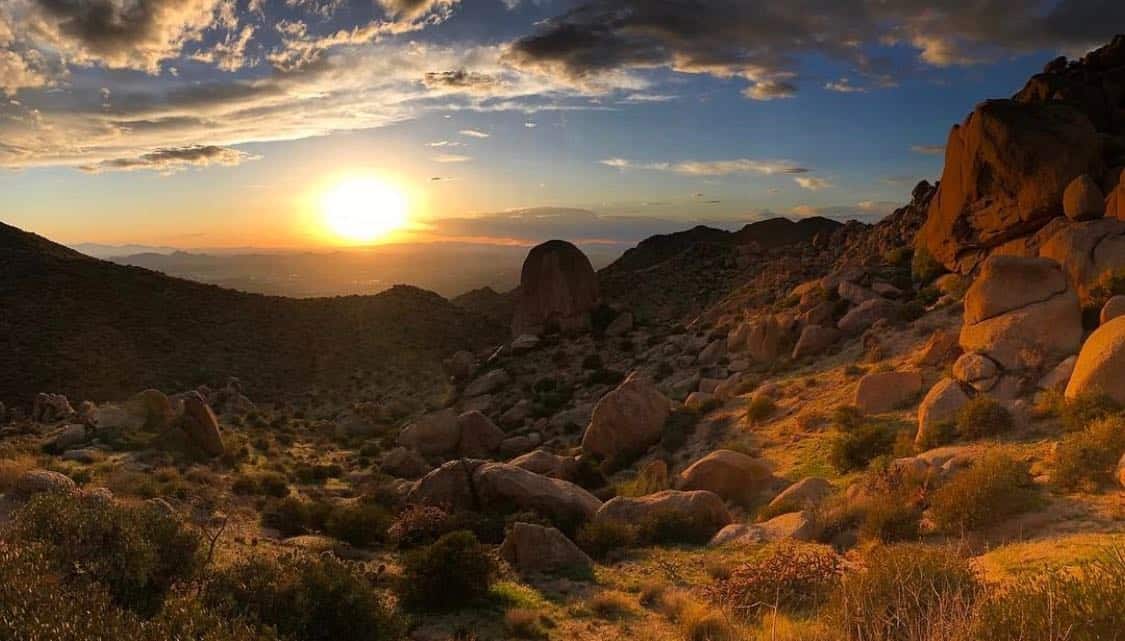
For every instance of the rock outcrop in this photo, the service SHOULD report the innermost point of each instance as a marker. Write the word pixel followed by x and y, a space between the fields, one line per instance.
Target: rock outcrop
pixel 704 509
pixel 534 548
pixel 558 288
pixel 729 474
pixel 501 486
pixel 1100 368
pixel 885 391
pixel 1006 170
pixel 627 420
pixel 1021 313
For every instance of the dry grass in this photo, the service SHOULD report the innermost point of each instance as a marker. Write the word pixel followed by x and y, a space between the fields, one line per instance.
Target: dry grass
pixel 12 469
pixel 522 623
pixel 611 605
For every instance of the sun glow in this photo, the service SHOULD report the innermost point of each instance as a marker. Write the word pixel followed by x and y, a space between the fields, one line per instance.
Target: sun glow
pixel 363 210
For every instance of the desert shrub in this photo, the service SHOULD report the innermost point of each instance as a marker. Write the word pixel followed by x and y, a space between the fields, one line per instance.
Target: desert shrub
pixel 760 408
pixel 138 553
pixel 610 605
pixel 652 478
pixel 906 592
pixel 36 606
pixel 1087 459
pixel 601 538
pixel 787 578
pixel 854 449
pixel 703 622
pixel 453 572
pixel 524 623
pixel 942 433
pixel 1081 604
pixel 680 424
pixel 11 469
pixel 983 417
pixel 592 361
pixel 362 525
pixel 898 256
pixel 1085 409
pixel 667 526
pixel 847 418
pixel 995 488
pixel 265 483
pixel 304 598
pixel 928 295
pixel 924 267
pixel 418 525
pixel 290 516
pixel 889 519
pixel 911 311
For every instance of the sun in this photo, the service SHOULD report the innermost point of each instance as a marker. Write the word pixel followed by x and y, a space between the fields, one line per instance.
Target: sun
pixel 363 210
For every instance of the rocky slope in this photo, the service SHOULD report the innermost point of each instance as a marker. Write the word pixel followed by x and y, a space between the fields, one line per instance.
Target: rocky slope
pixel 97 330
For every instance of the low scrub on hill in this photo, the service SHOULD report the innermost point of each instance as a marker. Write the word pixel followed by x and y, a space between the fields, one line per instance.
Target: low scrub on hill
pixel 454 572
pixel 1086 460
pixel 995 488
pixel 788 578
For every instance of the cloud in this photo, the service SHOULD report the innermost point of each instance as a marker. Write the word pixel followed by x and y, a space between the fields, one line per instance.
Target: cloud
pixel 763 43
pixel 460 80
pixel 929 150
pixel 712 167
pixel 530 125
pixel 413 9
pixel 167 161
pixel 812 183
pixel 444 143
pixel 844 85
pixel 867 211
pixel 452 158
pixel 473 133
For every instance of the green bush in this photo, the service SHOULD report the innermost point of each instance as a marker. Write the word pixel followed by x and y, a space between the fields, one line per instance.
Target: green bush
pixel 304 599
pixel 454 572
pixel 995 488
pixel 788 578
pixel 853 450
pixel 290 516
pixel 601 538
pixel 760 408
pixel 362 525
pixel 889 518
pixel 1087 460
pixel 266 483
pixel 668 526
pixel 138 553
pixel 983 417
pixel 1079 412
pixel 906 592
pixel 847 417
pixel 1076 604
pixel 924 267
pixel 36 604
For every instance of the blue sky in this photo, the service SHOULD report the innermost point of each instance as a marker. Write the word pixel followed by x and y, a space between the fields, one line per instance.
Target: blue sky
pixel 206 123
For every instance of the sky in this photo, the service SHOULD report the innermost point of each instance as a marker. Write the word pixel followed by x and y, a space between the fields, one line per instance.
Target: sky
pixel 222 123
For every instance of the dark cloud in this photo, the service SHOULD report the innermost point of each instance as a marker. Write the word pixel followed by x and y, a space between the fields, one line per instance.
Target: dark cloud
pixel 171 160
pixel 460 80
pixel 762 41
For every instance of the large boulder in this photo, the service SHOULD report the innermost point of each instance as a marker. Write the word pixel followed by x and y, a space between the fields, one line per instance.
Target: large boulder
pixel 1083 199
pixel 531 548
pixel 814 340
pixel 704 509
pixel 506 487
pixel 802 495
pixel 487 383
pixel 479 436
pixel 863 316
pixel 1006 170
pixel 939 406
pixel 765 339
pixel 1087 251
pixel 404 463
pixel 1101 364
pixel 885 391
pixel 627 420
pixel 201 426
pixel 558 289
pixel 51 408
pixel 977 371
pixel 547 464
pixel 35 482
pixel 1113 308
pixel 729 474
pixel 449 487
pixel 1021 313
pixel 436 433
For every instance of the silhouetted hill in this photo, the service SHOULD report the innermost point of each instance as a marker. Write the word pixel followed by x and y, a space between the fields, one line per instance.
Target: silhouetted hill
pixel 97 330
pixel 778 232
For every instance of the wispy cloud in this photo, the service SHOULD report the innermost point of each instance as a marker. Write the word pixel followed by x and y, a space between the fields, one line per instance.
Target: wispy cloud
pixel 168 161
pixel 452 158
pixel 929 150
pixel 813 183
pixel 711 167
pixel 844 85
pixel 474 133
